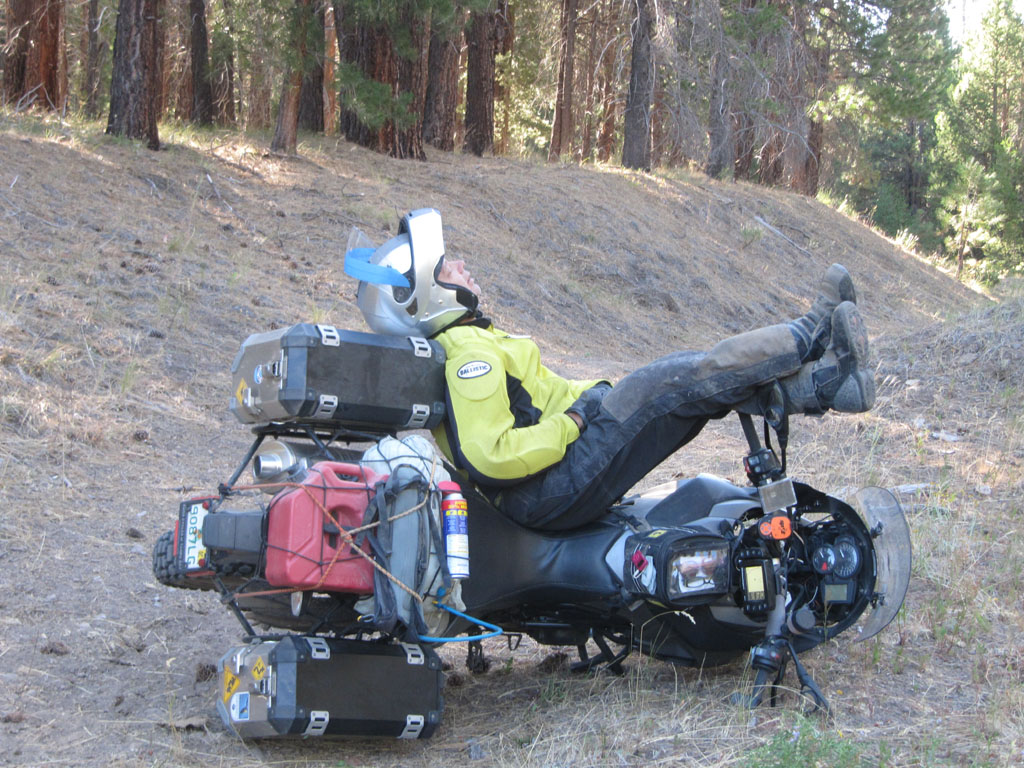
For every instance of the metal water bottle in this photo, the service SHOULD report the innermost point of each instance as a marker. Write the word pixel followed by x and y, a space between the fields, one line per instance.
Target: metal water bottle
pixel 456 529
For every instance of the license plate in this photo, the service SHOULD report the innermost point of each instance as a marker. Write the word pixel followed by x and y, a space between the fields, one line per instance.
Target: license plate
pixel 191 550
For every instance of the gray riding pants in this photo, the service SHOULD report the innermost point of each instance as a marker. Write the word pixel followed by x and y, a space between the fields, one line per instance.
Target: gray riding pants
pixel 642 420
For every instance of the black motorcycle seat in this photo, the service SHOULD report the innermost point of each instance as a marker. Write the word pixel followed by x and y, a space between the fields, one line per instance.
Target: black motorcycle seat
pixel 692 500
pixel 511 565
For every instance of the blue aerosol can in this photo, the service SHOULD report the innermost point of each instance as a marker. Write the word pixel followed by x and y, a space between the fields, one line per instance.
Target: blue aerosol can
pixel 454 510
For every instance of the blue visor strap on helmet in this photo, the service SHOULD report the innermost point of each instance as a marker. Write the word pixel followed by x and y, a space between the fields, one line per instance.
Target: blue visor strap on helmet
pixel 357 265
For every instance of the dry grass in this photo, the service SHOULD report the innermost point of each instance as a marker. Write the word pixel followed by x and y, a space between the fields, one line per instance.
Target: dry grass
pixel 129 278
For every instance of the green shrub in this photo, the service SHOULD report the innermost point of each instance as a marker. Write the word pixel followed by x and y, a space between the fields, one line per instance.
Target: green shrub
pixel 891 214
pixel 804 745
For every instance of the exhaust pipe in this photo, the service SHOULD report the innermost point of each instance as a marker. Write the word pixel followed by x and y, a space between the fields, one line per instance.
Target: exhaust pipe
pixel 278 461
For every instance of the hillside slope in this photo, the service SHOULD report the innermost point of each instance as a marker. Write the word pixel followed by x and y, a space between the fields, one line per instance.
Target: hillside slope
pixel 129 278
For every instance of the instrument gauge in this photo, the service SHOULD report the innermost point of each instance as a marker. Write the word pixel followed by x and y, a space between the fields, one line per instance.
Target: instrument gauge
pixel 847 557
pixel 824 559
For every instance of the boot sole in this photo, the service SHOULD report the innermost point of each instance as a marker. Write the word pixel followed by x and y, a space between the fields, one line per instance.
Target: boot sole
pixel 849 334
pixel 857 393
pixel 838 276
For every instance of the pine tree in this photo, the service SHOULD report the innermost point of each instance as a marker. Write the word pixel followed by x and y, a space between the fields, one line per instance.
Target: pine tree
pixel 636 148
pixel 135 82
pixel 981 143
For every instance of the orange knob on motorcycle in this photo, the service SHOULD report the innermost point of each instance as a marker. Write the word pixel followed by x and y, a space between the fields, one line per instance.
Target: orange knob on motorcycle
pixel 778 528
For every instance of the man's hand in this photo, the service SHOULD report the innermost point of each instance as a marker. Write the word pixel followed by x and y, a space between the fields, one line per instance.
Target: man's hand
pixel 588 405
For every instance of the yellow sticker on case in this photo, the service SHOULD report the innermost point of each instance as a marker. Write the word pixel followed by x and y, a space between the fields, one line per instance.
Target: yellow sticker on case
pixel 231 683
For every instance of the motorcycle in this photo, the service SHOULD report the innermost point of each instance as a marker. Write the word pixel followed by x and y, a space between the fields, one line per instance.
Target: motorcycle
pixel 363 561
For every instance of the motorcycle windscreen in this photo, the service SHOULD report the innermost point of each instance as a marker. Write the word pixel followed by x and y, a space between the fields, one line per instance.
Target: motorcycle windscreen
pixel 882 512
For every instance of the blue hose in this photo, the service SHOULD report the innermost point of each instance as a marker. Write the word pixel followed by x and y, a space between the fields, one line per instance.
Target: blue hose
pixel 496 630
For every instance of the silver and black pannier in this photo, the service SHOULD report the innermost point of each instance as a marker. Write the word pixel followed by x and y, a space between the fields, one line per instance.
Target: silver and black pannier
pixel 319 686
pixel 323 375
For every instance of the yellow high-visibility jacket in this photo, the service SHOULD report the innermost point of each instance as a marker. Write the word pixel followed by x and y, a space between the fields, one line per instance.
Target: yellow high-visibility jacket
pixel 506 414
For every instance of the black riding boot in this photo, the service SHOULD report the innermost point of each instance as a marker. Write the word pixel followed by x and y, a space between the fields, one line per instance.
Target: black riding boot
pixel 813 330
pixel 840 379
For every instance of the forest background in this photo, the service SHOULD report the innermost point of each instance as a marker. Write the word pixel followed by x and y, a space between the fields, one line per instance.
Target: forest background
pixel 867 104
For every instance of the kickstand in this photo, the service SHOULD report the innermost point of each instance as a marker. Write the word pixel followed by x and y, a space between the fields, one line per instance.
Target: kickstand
pixel 476 662
pixel 771 658
pixel 808 685
pixel 611 661
pixel 776 685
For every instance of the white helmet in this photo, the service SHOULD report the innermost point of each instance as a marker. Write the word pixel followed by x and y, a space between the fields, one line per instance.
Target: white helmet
pixel 399 294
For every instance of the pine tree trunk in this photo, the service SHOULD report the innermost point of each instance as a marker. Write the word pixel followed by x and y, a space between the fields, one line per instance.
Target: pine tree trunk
pixel 770 168
pixel 407 142
pixel 344 43
pixel 460 96
pixel 286 132
pixel 176 86
pixel 35 64
pixel 812 160
pixel 606 136
pixel 744 129
pixel 359 48
pixel 480 84
pixel 159 72
pixel 589 107
pixel 720 150
pixel 505 30
pixel 258 92
pixel 92 60
pixel 330 67
pixel 258 97
pixel 182 98
pixel 442 89
pixel 202 93
pixel 636 145
pixel 311 98
pixel 222 61
pixel 135 82
pixel 370 47
pixel 562 130
pixel 744 136
pixel 660 120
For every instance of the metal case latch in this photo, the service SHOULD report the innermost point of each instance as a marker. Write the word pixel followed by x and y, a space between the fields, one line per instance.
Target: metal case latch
pixel 414 654
pixel 276 369
pixel 326 407
pixel 413 726
pixel 421 347
pixel 318 648
pixel 329 336
pixel 420 416
pixel 318 720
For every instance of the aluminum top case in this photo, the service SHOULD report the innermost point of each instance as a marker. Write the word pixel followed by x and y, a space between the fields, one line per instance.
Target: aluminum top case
pixel 319 374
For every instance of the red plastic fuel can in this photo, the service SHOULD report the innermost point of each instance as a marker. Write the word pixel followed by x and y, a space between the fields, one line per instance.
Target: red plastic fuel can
pixel 305 546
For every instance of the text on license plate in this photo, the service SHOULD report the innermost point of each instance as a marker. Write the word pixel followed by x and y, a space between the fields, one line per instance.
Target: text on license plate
pixel 191 549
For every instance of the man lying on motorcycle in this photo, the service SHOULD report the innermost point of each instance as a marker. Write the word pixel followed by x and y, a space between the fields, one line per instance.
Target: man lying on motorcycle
pixel 554 453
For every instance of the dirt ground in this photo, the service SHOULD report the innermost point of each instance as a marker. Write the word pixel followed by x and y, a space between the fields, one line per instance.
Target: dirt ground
pixel 129 278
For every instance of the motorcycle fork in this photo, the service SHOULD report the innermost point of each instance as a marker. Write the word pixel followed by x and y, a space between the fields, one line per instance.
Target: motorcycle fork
pixel 772 655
